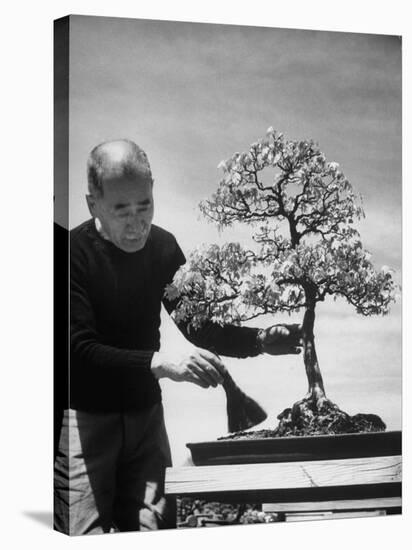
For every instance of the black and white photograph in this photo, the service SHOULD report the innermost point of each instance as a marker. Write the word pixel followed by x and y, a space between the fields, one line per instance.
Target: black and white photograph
pixel 228 199
pixel 228 223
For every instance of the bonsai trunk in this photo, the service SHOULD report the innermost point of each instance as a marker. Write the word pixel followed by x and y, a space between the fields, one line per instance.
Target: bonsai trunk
pixel 316 389
pixel 315 414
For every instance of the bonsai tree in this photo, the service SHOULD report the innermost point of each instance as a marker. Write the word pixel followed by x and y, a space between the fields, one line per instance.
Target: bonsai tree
pixel 301 210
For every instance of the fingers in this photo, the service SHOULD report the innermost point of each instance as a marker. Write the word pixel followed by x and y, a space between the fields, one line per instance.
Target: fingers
pixel 202 368
pixel 284 334
pixel 215 361
pixel 188 368
pixel 206 372
pixel 195 379
pixel 283 350
pixel 283 330
pixel 291 341
pixel 294 328
pixel 277 332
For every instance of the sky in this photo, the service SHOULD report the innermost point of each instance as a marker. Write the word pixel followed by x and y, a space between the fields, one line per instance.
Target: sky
pixel 193 94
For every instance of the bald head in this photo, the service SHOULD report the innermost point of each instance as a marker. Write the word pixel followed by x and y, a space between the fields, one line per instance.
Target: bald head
pixel 116 159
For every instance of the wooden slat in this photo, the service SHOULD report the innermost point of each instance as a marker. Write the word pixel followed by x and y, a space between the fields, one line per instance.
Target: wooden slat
pixel 314 494
pixel 335 515
pixel 332 505
pixel 289 475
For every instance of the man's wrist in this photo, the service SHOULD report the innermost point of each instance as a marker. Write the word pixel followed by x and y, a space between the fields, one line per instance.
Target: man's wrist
pixel 156 365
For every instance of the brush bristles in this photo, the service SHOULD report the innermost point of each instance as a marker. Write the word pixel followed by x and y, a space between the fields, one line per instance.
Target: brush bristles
pixel 243 412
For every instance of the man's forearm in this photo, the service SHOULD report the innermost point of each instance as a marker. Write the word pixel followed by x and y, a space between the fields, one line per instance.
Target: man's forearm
pixel 228 340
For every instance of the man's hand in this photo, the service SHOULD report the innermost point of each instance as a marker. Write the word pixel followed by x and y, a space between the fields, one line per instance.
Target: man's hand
pixel 201 367
pixel 281 339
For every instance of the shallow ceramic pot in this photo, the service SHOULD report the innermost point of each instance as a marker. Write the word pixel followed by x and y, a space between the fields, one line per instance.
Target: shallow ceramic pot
pixel 290 449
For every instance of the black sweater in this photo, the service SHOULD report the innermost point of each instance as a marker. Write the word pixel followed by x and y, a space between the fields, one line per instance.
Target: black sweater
pixel 115 302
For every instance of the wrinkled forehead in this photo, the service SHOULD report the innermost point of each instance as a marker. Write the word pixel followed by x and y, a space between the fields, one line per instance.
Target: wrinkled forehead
pixel 127 190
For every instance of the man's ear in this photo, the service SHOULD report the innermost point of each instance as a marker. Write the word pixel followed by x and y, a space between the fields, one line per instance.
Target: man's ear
pixel 91 203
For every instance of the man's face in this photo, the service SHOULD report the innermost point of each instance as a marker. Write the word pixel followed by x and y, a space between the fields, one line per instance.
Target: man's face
pixel 125 211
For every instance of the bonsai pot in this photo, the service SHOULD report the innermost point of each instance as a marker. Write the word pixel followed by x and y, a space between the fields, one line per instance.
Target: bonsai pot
pixel 298 448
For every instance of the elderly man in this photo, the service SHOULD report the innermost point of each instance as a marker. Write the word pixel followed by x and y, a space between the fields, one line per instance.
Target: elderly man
pixel 113 447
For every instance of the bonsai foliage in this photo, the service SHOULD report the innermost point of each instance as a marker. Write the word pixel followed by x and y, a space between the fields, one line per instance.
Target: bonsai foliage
pixel 301 210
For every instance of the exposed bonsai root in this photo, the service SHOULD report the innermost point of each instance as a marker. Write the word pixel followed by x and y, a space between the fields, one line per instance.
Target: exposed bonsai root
pixel 315 414
pixel 315 400
pixel 312 416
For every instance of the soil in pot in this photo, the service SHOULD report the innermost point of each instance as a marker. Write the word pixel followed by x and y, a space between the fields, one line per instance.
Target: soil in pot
pixel 310 417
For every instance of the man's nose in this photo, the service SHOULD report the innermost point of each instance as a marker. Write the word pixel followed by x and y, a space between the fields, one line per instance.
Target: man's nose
pixel 135 222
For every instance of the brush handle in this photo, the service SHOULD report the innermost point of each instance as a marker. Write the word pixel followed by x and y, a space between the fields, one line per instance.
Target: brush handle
pixel 228 383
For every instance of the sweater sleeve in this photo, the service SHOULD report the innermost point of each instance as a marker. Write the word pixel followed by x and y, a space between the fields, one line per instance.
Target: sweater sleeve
pixel 86 344
pixel 229 340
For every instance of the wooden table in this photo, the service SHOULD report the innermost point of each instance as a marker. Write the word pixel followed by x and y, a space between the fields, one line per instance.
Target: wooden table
pixel 298 490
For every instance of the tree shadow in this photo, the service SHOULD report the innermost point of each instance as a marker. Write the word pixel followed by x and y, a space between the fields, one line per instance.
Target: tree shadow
pixel 44 518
